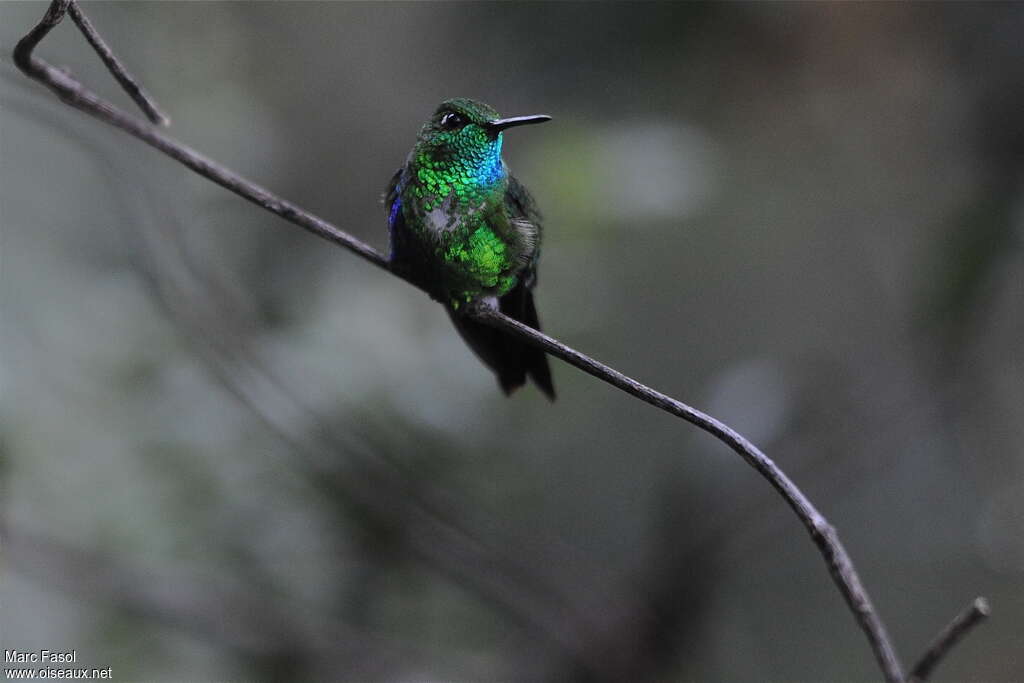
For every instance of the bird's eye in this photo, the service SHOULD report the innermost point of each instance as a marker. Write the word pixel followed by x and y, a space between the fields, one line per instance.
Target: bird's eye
pixel 451 121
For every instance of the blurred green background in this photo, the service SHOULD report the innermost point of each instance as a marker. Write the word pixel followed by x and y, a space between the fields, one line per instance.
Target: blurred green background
pixel 230 451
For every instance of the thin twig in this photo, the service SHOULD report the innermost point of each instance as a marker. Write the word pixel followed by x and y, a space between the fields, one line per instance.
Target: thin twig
pixel 117 69
pixel 822 533
pixel 971 616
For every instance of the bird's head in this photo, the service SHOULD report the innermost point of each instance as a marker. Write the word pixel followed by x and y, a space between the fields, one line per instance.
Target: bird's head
pixel 465 133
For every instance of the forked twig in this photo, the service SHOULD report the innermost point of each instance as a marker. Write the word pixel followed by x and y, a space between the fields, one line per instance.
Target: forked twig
pixel 822 533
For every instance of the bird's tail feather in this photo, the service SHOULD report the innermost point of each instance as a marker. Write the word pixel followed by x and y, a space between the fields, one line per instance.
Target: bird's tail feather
pixel 510 359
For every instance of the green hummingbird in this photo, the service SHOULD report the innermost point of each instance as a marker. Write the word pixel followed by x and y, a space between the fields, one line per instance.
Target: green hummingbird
pixel 465 230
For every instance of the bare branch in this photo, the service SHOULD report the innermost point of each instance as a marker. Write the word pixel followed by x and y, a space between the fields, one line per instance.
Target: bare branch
pixel 971 616
pixel 822 533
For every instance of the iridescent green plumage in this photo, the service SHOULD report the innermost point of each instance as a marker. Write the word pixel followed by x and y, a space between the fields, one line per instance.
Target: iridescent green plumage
pixel 464 229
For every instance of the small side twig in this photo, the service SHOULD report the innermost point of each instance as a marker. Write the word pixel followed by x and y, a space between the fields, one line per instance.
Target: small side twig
pixel 117 69
pixel 822 533
pixel 971 616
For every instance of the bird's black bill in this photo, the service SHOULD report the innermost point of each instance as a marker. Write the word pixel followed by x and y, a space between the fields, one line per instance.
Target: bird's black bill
pixel 498 125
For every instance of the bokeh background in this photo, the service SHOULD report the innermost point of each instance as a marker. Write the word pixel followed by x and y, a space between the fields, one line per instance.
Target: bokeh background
pixel 230 451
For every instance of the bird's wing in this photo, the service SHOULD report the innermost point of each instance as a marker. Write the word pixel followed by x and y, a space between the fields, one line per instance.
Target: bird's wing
pixel 526 221
pixel 521 202
pixel 393 207
pixel 517 360
pixel 391 194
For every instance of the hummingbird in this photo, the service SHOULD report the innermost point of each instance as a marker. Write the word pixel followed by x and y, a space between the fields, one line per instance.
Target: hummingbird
pixel 464 229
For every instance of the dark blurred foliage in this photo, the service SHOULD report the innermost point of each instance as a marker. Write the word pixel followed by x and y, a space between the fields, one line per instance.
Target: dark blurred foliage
pixel 230 451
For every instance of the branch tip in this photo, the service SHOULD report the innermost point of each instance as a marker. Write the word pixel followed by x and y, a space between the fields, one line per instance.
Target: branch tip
pixel 962 623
